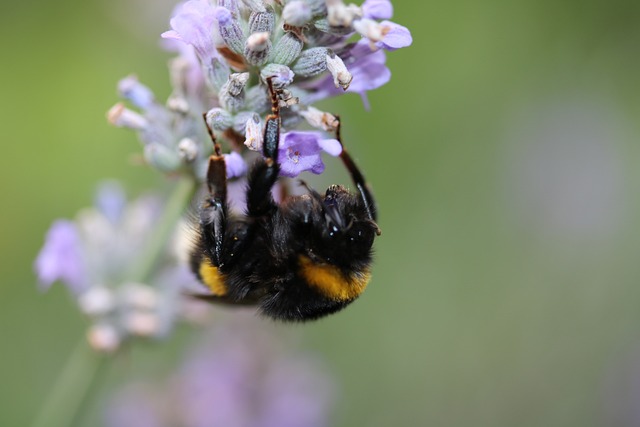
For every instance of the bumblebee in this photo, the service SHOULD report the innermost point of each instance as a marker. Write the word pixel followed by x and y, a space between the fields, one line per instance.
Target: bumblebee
pixel 299 260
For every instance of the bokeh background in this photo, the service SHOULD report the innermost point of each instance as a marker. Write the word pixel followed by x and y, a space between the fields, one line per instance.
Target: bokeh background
pixel 504 154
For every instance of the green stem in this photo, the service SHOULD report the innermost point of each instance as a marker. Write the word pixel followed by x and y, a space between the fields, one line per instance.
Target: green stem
pixel 182 195
pixel 71 388
pixel 78 380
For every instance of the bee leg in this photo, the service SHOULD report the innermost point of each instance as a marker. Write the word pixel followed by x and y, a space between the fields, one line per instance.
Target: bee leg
pixel 358 178
pixel 213 211
pixel 265 174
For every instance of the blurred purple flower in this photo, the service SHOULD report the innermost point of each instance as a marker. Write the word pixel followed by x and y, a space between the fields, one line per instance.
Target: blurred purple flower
pixel 299 151
pixel 377 9
pixel 61 258
pixel 111 201
pixel 192 24
pixel 236 166
pixel 135 92
pixel 395 38
pixel 242 376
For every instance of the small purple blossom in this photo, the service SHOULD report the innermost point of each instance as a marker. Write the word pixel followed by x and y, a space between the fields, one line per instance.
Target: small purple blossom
pixel 61 258
pixel 193 24
pixel 395 37
pixel 377 9
pixel 236 166
pixel 299 151
pixel 135 92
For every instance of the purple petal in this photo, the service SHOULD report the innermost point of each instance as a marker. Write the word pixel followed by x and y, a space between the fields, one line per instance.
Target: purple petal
pixel 134 91
pixel 111 201
pixel 299 151
pixel 377 9
pixel 397 37
pixel 61 258
pixel 236 165
pixel 331 146
pixel 193 24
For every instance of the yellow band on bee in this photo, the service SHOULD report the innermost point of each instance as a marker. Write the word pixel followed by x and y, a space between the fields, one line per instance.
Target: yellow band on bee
pixel 331 282
pixel 212 278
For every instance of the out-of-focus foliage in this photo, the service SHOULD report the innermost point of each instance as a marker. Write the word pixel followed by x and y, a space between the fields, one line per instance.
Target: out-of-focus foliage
pixel 504 157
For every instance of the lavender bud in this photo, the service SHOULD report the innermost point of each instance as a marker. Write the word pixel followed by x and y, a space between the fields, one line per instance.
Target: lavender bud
pixel 231 5
pixel 311 62
pixel 97 301
pixel 103 337
pixel 257 99
pixel 261 22
pixel 218 73
pixel 219 119
pixel 324 26
pixel 253 133
pixel 286 49
pixel 297 13
pixel 341 76
pixel 140 296
pixel 257 48
pixel 142 323
pixel 240 121
pixel 121 116
pixel 188 149
pixel 178 103
pixel 138 94
pixel 232 92
pixel 161 157
pixel 320 119
pixel 369 28
pixel 229 29
pixel 255 5
pixel 318 7
pixel 341 15
pixel 281 75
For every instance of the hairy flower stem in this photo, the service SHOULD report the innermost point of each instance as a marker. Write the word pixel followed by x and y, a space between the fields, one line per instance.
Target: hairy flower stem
pixel 79 379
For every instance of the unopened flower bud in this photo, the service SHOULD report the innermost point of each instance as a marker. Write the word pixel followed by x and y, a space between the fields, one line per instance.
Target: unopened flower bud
pixel 320 119
pixel 178 103
pixel 286 49
pixel 97 301
pixel 311 62
pixel 140 296
pixel 219 119
pixel 318 7
pixel 255 5
pixel 257 48
pixel 229 29
pixel 161 157
pixel 231 5
pixel 341 76
pixel 138 94
pixel 341 15
pixel 142 323
pixel 253 133
pixel 297 13
pixel 370 29
pixel 261 22
pixel 218 73
pixel 103 337
pixel 281 76
pixel 121 116
pixel 188 149
pixel 232 92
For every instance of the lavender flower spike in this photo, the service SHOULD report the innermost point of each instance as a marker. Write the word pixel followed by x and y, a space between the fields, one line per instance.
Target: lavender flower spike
pixel 299 151
pixel 61 258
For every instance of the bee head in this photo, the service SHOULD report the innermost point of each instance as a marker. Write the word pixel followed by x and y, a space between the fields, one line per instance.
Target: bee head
pixel 344 233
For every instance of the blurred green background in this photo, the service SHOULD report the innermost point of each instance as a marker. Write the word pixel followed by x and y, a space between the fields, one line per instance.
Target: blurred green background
pixel 504 157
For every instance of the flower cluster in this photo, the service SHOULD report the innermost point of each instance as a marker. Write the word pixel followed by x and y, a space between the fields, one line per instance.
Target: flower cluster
pixel 242 376
pixel 97 256
pixel 227 49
